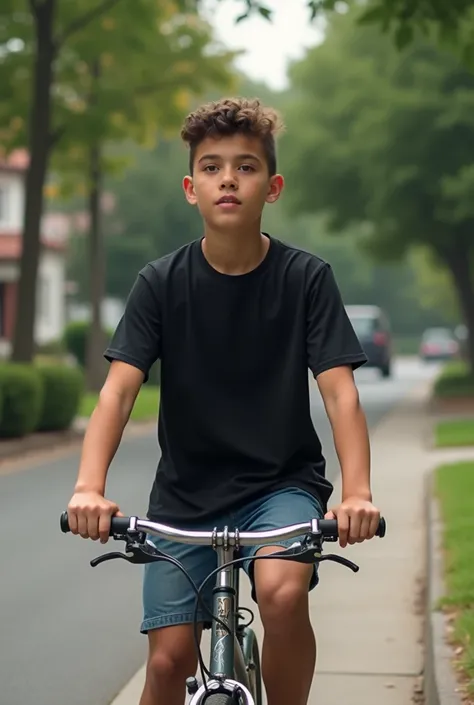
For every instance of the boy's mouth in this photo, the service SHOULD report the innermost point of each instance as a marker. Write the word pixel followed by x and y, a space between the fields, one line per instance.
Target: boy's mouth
pixel 228 201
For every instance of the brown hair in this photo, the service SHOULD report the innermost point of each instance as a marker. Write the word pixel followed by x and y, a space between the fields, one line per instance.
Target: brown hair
pixel 231 116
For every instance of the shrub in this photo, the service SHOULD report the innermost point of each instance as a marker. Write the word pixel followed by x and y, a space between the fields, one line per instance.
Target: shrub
pixel 455 380
pixel 62 391
pixel 22 397
pixel 75 339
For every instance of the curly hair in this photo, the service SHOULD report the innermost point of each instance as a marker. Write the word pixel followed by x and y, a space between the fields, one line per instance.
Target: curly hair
pixel 231 116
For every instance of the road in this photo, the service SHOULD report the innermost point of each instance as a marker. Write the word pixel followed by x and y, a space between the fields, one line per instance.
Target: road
pixel 70 633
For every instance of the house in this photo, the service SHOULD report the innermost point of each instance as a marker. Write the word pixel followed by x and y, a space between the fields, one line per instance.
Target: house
pixel 50 311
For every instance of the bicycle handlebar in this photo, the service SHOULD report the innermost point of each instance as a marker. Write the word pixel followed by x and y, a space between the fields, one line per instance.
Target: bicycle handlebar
pixel 121 526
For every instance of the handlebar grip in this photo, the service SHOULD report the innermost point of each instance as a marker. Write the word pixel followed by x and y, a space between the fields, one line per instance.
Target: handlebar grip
pixel 118 525
pixel 329 528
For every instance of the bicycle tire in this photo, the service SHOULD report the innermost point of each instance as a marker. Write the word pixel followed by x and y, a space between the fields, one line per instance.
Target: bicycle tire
pixel 219 699
pixel 255 674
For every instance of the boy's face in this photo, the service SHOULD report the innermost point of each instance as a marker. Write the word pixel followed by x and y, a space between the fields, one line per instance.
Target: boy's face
pixel 231 183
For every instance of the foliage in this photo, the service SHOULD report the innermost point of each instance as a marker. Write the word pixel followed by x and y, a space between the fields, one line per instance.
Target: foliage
pixel 62 392
pixel 383 140
pixel 75 339
pixel 86 72
pixel 22 399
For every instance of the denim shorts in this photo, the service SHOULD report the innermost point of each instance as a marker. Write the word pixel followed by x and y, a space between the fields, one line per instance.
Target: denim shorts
pixel 168 598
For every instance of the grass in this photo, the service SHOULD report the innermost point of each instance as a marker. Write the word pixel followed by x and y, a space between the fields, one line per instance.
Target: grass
pixel 455 490
pixel 145 409
pixel 455 380
pixel 459 432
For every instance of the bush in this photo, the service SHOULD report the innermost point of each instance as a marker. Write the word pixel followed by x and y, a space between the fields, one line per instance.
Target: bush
pixel 22 398
pixel 75 339
pixel 455 380
pixel 62 392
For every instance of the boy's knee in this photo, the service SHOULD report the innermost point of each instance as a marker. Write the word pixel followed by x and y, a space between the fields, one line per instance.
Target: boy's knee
pixel 172 656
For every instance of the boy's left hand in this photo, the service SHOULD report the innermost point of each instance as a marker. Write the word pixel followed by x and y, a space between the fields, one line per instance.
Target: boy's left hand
pixel 357 519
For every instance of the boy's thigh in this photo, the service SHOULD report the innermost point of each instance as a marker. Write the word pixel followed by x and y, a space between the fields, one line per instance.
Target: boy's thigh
pixel 274 511
pixel 168 596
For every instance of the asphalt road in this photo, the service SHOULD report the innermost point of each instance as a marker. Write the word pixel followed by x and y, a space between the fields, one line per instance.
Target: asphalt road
pixel 69 633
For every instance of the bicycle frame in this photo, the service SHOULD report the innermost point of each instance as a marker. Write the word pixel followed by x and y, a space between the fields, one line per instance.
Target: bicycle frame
pixel 231 651
pixel 228 654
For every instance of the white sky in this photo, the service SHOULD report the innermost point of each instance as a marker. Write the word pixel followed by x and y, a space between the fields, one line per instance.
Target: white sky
pixel 269 46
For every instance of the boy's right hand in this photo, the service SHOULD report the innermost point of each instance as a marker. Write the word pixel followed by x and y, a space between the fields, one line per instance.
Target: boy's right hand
pixel 89 515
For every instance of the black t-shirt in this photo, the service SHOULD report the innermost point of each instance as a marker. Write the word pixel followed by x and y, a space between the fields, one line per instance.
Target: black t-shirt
pixel 234 419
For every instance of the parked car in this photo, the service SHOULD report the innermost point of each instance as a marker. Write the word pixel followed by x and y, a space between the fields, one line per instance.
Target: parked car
pixel 438 344
pixel 372 327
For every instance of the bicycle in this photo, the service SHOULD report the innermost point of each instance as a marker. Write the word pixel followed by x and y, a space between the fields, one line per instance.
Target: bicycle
pixel 233 677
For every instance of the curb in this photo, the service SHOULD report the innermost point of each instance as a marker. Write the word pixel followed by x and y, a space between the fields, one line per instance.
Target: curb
pixel 440 683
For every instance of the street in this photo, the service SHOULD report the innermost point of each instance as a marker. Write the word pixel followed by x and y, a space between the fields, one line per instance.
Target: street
pixel 70 633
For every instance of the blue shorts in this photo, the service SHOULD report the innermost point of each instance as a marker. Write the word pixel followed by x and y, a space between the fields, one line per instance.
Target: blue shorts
pixel 168 598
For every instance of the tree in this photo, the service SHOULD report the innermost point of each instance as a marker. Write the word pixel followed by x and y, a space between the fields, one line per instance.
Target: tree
pixel 119 100
pixel 46 56
pixel 385 138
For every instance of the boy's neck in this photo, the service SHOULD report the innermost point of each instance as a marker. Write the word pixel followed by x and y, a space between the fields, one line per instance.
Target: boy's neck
pixel 235 252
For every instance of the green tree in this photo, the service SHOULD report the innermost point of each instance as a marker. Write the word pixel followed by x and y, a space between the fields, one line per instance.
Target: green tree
pixel 385 139
pixel 128 100
pixel 49 68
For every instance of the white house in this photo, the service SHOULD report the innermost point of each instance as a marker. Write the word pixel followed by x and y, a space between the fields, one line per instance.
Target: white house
pixel 50 314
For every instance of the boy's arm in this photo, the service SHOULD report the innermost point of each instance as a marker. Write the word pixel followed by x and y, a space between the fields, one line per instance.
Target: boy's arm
pixel 334 352
pixel 89 511
pixel 357 517
pixel 135 346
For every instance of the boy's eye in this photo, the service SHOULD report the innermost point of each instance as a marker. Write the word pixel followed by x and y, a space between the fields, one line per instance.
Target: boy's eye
pixel 210 167
pixel 246 167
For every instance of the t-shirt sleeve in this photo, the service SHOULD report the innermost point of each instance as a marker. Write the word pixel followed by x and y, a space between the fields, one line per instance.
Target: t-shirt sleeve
pixel 330 338
pixel 137 338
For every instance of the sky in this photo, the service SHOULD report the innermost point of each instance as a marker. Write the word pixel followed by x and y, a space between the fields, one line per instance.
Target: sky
pixel 269 46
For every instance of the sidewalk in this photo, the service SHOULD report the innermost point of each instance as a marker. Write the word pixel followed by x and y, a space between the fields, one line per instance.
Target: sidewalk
pixel 369 625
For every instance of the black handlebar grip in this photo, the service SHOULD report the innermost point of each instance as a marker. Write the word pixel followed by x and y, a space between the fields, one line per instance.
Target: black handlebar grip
pixel 329 528
pixel 64 523
pixel 118 525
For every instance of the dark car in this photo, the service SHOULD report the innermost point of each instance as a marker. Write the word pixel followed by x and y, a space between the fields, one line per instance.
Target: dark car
pixel 372 327
pixel 438 345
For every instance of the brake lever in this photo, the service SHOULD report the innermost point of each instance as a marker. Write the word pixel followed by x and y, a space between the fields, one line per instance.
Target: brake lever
pixel 136 553
pixel 340 559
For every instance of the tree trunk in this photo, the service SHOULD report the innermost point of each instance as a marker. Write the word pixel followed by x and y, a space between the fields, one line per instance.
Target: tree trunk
pixel 460 262
pixel 96 365
pixel 39 145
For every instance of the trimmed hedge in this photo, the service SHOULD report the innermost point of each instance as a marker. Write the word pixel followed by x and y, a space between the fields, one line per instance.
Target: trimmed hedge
pixel 22 399
pixel 75 339
pixel 455 380
pixel 63 388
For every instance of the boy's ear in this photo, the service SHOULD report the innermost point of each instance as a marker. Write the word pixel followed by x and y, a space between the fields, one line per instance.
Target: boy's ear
pixel 188 187
pixel 275 188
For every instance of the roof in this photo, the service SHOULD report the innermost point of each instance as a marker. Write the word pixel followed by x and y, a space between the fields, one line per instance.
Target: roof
pixel 18 160
pixel 11 246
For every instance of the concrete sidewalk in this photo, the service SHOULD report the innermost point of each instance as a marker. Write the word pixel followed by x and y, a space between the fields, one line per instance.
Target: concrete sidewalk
pixel 369 625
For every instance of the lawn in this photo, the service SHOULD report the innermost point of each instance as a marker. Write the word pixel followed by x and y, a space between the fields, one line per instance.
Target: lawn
pixel 145 409
pixel 455 490
pixel 459 432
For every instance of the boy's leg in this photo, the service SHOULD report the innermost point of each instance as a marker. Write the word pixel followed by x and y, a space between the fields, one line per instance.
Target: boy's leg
pixel 168 603
pixel 281 589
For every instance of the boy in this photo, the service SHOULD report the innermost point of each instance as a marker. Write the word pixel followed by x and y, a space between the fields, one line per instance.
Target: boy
pixel 236 318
